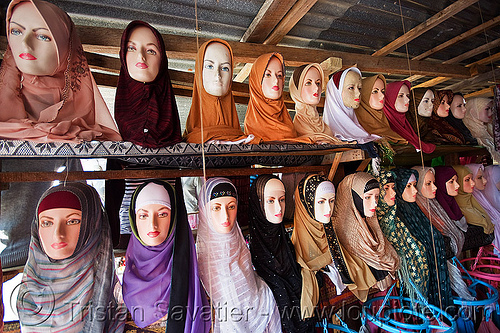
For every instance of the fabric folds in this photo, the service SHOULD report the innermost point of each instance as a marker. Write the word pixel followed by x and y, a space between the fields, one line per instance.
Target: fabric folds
pixel 460 126
pixel 65 106
pixel 440 131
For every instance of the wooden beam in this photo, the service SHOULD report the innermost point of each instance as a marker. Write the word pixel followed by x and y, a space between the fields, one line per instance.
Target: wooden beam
pixel 432 82
pixel 335 165
pixel 270 14
pixel 299 9
pixel 414 78
pixel 244 72
pixel 486 92
pixel 469 54
pixel 485 78
pixel 443 15
pixel 486 61
pixel 329 66
pixel 472 32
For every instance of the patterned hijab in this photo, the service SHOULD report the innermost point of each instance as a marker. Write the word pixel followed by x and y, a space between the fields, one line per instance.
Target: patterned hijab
pixel 437 215
pixel 340 118
pixel 361 235
pixel 146 113
pixel 474 213
pixel 411 251
pixel 65 106
pixel 440 131
pixel 226 272
pixel 375 121
pixel 398 120
pixel 154 275
pixel 268 119
pixel 273 257
pixel 307 121
pixel 51 288
pixel 420 227
pixel 460 126
pixel 220 120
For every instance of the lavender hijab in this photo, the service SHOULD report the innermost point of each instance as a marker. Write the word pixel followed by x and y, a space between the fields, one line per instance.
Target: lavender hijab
pixel 491 192
pixel 156 282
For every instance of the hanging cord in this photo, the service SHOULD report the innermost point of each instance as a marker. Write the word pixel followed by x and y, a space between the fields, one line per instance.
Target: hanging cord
pixel 486 38
pixel 422 160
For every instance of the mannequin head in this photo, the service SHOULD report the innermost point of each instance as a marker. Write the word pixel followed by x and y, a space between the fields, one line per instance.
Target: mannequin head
pixel 33 46
pixel 274 200
pixel 468 183
pixel 390 194
pixel 273 80
pixel 153 214
pixel 480 181
pixel 311 88
pixel 223 207
pixel 486 114
pixel 59 224
pixel 457 106
pixel 143 55
pixel 403 99
pixel 351 90
pixel 323 201
pixel 370 201
pixel 410 191
pixel 377 95
pixel 452 186
pixel 217 69
pixel 444 107
pixel 429 187
pixel 426 104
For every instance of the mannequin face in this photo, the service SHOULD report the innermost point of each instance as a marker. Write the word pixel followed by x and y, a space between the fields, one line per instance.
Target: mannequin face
pixel 486 114
pixel 480 181
pixel 452 186
pixel 377 95
pixel 351 90
pixel 32 44
pixel 153 223
pixel 272 82
pixel 469 183
pixel 223 212
pixel 59 229
pixel 403 99
pixel 143 55
pixel 311 89
pixel 457 107
pixel 410 192
pixel 390 194
pixel 444 107
pixel 370 201
pixel 426 104
pixel 323 207
pixel 429 188
pixel 217 69
pixel 274 201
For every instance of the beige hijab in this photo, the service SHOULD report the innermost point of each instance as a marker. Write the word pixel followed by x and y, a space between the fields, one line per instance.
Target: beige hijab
pixel 307 121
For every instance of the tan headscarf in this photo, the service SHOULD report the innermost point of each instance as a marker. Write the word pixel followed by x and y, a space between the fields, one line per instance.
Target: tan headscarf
pixel 361 236
pixel 266 118
pixel 472 210
pixel 220 120
pixel 375 121
pixel 307 121
pixel 65 106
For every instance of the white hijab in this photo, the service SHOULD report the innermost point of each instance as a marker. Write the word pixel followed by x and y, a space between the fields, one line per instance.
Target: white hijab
pixel 340 118
pixel 225 268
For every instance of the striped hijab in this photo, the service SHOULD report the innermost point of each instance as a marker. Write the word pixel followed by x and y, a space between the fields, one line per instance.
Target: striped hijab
pixel 75 294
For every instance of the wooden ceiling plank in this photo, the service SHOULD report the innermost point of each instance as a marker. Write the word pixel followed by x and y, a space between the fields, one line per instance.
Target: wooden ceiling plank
pixel 443 15
pixel 486 92
pixel 472 32
pixel 486 61
pixel 474 52
pixel 432 82
pixel 243 73
pixel 414 78
pixel 484 78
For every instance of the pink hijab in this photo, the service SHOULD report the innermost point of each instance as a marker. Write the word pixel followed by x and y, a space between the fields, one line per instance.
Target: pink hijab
pixel 65 106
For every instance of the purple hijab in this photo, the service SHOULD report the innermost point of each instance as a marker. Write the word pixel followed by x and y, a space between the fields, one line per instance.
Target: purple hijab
pixel 156 282
pixel 449 204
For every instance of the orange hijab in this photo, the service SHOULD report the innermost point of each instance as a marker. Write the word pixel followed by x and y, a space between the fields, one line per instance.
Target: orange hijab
pixel 268 119
pixel 220 120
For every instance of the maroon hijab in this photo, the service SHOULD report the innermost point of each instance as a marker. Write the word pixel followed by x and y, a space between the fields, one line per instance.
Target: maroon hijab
pixel 398 121
pixel 146 113
pixel 440 131
pixel 443 174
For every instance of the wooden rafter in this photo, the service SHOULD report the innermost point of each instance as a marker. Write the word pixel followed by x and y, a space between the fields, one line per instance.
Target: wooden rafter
pixel 443 15
pixel 486 92
pixel 476 80
pixel 472 32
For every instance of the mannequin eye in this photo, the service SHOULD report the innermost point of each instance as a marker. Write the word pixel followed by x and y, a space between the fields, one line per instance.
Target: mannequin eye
pixel 232 207
pixel 321 201
pixel 151 51
pixel 318 83
pixel 130 48
pixel 45 223
pixel 270 201
pixel 279 75
pixel 43 38
pixel 225 69
pixel 215 208
pixel 209 66
pixel 332 200
pixel 308 83
pixel 143 216
pixel 375 91
pixel 73 221
pixel 282 199
pixel 163 214
pixel 15 32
